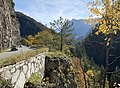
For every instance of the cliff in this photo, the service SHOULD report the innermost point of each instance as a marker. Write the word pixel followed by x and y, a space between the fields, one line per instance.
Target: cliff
pixel 59 73
pixel 9 26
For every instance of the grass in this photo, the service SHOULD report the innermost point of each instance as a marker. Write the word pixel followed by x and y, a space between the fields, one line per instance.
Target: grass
pixel 19 57
pixel 35 78
pixel 2 51
pixel 56 54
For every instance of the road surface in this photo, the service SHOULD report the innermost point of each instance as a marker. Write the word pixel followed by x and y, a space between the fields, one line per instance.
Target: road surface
pixel 9 53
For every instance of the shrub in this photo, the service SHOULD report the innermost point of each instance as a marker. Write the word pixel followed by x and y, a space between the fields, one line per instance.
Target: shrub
pixel 35 78
pixel 5 83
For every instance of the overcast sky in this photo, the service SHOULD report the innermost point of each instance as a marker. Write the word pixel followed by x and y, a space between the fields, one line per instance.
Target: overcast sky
pixel 46 11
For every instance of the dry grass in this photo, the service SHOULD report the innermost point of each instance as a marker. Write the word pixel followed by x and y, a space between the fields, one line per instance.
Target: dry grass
pixel 2 51
pixel 56 54
pixel 17 58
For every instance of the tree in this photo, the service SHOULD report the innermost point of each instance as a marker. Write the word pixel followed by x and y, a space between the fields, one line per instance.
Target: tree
pixel 115 78
pixel 31 40
pixel 5 83
pixel 83 57
pixel 108 17
pixel 91 72
pixel 24 41
pixel 44 38
pixel 64 30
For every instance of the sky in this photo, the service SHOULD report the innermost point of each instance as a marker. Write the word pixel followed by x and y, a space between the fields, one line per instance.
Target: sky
pixel 45 11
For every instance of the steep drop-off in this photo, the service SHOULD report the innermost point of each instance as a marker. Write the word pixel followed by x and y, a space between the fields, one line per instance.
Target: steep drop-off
pixel 9 26
pixel 59 73
pixel 95 43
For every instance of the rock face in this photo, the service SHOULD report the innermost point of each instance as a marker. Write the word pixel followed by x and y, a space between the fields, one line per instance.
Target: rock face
pixel 9 27
pixel 59 73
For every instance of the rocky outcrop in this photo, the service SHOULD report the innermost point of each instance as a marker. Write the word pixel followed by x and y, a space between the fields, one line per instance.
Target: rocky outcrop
pixel 59 73
pixel 9 27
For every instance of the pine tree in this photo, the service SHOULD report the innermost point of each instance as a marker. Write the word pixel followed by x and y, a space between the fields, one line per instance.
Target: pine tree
pixel 64 30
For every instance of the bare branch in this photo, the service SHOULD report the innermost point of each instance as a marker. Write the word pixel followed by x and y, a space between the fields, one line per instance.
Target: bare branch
pixel 100 43
pixel 118 76
pixel 114 60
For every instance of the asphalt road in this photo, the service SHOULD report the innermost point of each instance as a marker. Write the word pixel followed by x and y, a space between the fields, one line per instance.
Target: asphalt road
pixel 9 53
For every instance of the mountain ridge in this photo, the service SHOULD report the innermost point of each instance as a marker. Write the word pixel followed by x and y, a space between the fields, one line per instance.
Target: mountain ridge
pixel 82 29
pixel 29 26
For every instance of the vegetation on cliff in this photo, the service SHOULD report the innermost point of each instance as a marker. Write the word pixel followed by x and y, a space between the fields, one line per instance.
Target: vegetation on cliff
pixel 5 83
pixel 59 72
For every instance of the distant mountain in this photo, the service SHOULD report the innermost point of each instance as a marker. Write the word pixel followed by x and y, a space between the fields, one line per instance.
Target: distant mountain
pixel 29 26
pixel 81 29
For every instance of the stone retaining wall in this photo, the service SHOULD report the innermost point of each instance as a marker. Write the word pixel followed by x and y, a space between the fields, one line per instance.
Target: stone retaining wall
pixel 20 72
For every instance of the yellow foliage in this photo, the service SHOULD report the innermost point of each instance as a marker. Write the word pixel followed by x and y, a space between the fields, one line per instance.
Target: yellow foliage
pixel 106 0
pixel 108 14
pixel 95 11
pixel 107 44
pixel 44 38
pixel 90 73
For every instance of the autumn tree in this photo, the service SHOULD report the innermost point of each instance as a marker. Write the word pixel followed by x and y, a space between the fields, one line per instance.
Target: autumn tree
pixel 23 41
pixel 31 40
pixel 64 30
pixel 107 13
pixel 44 38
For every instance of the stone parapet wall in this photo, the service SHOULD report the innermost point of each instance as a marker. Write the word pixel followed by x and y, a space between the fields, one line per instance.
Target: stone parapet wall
pixel 20 72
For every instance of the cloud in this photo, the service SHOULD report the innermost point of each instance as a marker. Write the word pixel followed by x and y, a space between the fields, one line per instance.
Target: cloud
pixel 46 11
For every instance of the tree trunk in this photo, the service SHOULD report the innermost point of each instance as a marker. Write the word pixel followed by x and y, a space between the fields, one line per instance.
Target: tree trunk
pixel 61 44
pixel 85 79
pixel 83 70
pixel 106 67
pixel 61 41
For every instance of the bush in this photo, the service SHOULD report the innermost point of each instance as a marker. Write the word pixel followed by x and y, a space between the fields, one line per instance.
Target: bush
pixel 24 41
pixel 35 78
pixel 5 83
